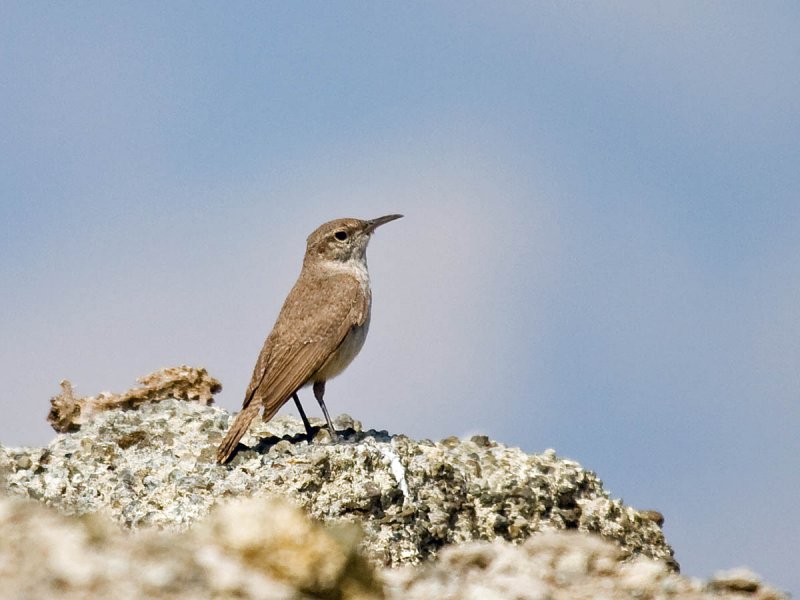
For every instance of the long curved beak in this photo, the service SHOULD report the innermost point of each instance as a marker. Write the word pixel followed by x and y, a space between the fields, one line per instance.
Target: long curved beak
pixel 373 224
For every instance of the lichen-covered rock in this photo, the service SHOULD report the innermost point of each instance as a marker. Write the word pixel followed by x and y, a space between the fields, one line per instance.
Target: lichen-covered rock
pixel 155 466
pixel 256 548
pixel 496 523
pixel 266 549
pixel 561 565
pixel 278 540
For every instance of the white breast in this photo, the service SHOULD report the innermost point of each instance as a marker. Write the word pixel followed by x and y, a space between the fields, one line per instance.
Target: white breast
pixel 344 355
pixel 352 344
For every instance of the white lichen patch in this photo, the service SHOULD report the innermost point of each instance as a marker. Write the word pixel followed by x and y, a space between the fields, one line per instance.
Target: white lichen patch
pixel 398 470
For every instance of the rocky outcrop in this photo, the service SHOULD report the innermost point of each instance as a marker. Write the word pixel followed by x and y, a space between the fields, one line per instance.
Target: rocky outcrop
pixel 131 504
pixel 154 466
pixel 562 565
pixel 266 549
pixel 256 548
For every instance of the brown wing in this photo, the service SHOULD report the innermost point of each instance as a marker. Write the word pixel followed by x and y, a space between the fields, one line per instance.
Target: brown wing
pixel 316 317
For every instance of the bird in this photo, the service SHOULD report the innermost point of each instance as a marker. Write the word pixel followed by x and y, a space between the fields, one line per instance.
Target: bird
pixel 320 328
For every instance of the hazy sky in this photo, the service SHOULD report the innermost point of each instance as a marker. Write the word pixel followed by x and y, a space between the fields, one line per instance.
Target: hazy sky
pixel 600 252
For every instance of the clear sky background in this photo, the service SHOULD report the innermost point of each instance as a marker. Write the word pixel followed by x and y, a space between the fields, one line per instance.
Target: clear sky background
pixel 600 252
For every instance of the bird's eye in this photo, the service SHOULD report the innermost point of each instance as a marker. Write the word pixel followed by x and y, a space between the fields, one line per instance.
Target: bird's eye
pixel 340 235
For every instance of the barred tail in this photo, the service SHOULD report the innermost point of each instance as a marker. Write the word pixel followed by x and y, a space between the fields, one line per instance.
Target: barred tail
pixel 237 430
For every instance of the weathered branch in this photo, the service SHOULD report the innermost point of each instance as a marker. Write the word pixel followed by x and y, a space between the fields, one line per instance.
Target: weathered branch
pixel 68 413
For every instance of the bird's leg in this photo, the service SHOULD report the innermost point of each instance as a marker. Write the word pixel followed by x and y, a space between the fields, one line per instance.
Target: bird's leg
pixel 319 392
pixel 309 434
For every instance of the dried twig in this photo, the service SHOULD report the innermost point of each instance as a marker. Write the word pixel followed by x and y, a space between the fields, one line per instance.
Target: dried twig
pixel 68 413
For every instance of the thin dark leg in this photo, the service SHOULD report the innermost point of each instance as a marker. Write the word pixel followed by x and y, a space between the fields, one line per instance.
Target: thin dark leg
pixel 309 433
pixel 319 392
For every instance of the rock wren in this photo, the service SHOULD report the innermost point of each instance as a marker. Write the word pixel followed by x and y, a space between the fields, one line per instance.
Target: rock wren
pixel 320 329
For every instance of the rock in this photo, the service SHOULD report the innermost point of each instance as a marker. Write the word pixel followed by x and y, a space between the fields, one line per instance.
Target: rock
pixel 393 518
pixel 254 548
pixel 278 540
pixel 735 580
pixel 266 549
pixel 556 565
pixel 654 516
pixel 155 466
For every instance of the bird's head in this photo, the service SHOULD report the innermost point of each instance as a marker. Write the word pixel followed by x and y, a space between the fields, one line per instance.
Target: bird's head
pixel 343 240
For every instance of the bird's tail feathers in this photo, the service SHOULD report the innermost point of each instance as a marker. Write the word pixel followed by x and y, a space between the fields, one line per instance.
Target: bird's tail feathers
pixel 237 430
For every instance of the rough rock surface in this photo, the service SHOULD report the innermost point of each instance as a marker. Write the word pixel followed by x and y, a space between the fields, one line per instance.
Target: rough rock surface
pixel 132 505
pixel 560 566
pixel 155 466
pixel 254 548
pixel 265 549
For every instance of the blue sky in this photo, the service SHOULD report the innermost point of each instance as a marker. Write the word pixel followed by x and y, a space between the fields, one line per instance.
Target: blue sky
pixel 599 255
